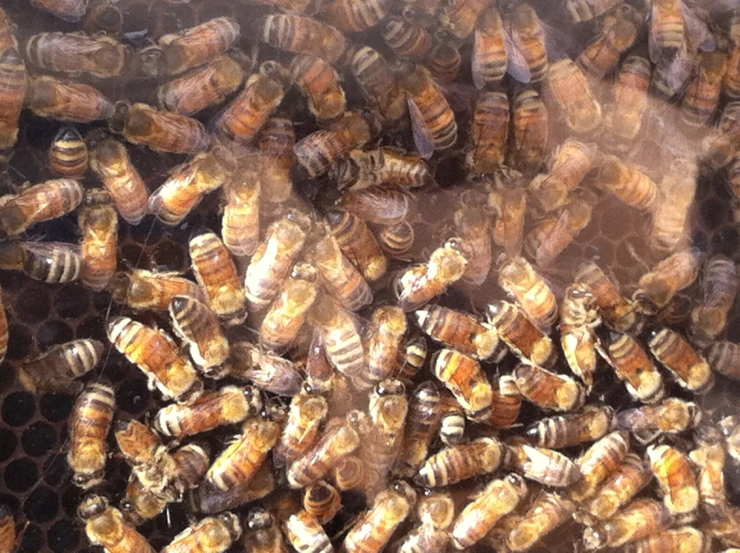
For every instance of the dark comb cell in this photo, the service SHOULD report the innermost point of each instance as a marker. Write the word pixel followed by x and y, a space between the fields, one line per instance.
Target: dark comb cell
pixel 53 332
pixel 133 396
pixel 21 474
pixel 18 408
pixel 72 301
pixel 41 505
pixel 20 341
pixel 8 443
pixel 92 328
pixel 38 438
pixel 33 304
pixel 33 540
pixel 63 536
pixel 56 407
pixel 56 469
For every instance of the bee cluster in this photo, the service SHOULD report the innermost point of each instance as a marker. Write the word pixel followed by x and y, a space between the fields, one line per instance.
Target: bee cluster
pixel 415 275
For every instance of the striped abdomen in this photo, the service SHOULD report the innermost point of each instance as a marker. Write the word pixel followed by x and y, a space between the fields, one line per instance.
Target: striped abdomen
pixel 13 85
pixel 91 421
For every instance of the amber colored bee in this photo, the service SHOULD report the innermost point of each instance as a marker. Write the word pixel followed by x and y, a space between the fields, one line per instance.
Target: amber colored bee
pixel 141 504
pixel 198 326
pixel 273 261
pixel 548 511
pixel 150 461
pixel 702 96
pixel 464 378
pixel 458 19
pixel 99 225
pixel 158 357
pixel 568 167
pixel 548 239
pixel 379 204
pixel 341 339
pixel 683 538
pixel 305 417
pixel 458 330
pixel 66 100
pixel 598 462
pixel 276 143
pixel 14 79
pixel 461 462
pixel 490 131
pixel 209 535
pixel 672 415
pixel 444 62
pixel 371 532
pixel 423 420
pixel 720 285
pixel 633 366
pixel 105 526
pixel 498 498
pixel 569 430
pixel 164 131
pixel 509 206
pixel 520 334
pixel 42 202
pixel 143 289
pixel 378 84
pixel 531 126
pixel 666 28
pixel 322 501
pixel 528 38
pixel 208 499
pixel 570 89
pixel 670 224
pixel 249 111
pixel 349 473
pixel 306 534
pixel 489 57
pixel 240 224
pixel 407 40
pixel 631 476
pixel 77 53
pixel 624 116
pixel 710 457
pixel 262 533
pixel 351 16
pixel 201 88
pixel 678 356
pixel 396 240
pixel 618 312
pixel 90 422
pixel 542 465
pixel 579 318
pixel 357 243
pixel 341 278
pixel 388 407
pixel 319 82
pixel 724 357
pixel 383 344
pixel 304 35
pixel 414 356
pixel 51 262
pixel 675 476
pixel 67 10
pixel 55 369
pixel 628 183
pixel 435 513
pixel 637 521
pixel 523 284
pixel 548 390
pixel 341 438
pixel 68 155
pixel 603 54
pixel 198 45
pixel 453 422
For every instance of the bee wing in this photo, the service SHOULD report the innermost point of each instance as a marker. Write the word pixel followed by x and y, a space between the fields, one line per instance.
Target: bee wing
pixel 653 47
pixel 422 137
pixel 516 65
pixel 476 66
pixel 697 32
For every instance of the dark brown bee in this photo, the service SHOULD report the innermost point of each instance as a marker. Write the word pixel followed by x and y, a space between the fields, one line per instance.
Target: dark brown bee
pixel 368 168
pixel 406 39
pixel 568 167
pixel 378 84
pixel 201 88
pixel 351 16
pixel 68 10
pixel 104 17
pixel 675 476
pixel 489 57
pixel 461 462
pixel 466 380
pixel 357 243
pixel 618 312
pixel 304 35
pixel 531 127
pixel 548 390
pixel 548 511
pixel 249 111
pixel 624 116
pixel 631 476
pixel 720 285
pixel 569 430
pixel 51 262
pixel 322 501
pixel 198 45
pixel 350 473
pixel 42 202
pixel 91 420
pixel 598 462
pixel 77 53
pixel 198 327
pixel 633 366
pixel 147 290
pixel 65 100
pixel 490 131
pixel 209 535
pixel 569 87
pixel 423 420
pixel 319 82
pixel 678 356
pixel 421 12
pixel 521 335
pixel 99 225
pixel 14 79
pixel 163 131
pixel 68 155
pixel 276 143
pixel 306 534
pixel 548 239
pixel 104 525
pixel 671 416
pixel 55 369
pixel 319 150
pixel 578 340
pixel 628 183
pixel 3 329
pixel 459 330
pixel 396 240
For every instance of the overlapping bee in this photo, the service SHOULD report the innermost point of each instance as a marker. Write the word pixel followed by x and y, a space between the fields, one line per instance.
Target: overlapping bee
pixel 197 45
pixel 531 131
pixel 658 287
pixel 530 291
pixel 571 90
pixel 548 511
pixel 249 111
pixel 670 218
pixel 378 84
pixel 676 354
pixel 212 534
pixel 304 35
pixel 521 335
pixel 12 93
pixel 142 289
pixel 720 284
pixel 339 275
pixel 463 376
pixel 598 462
pixel 628 183
pixel 675 476
pixel 639 520
pixel 77 53
pixel 546 466
pixel 164 131
pixel 461 462
pixel 631 476
pixel 105 525
pixel 435 513
pixel 459 331
pixel 42 202
pixel 568 167
pixel 56 368
pixel 633 366
pixel 672 415
pixel 579 318
pixel 407 40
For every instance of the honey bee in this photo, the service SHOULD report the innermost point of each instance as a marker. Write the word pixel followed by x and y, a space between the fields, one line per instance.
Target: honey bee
pixel 164 131
pixel 489 57
pixel 546 466
pixel 548 239
pixel 624 117
pixel 633 366
pixel 498 498
pixel 397 240
pixel 435 513
pixel 240 223
pixel 472 224
pixel 548 390
pixel 602 55
pixel 191 463
pixel 322 501
pixel 319 150
pixel 358 244
pixel 531 125
pixel 509 206
pixel 341 339
pixel 68 155
pixel 507 402
pixel 341 438
pixel 306 534
pixel 99 225
pixel 414 356
pixel 306 415
pixel 143 289
pixel 666 28
pixel 586 10
pixel 724 357
pixel 461 462
pixel 568 167
pixel 627 183
pixel 318 81
pixel 458 19
pixel 673 72
pixel 272 262
pixel 670 218
pixel 444 62
pixel 521 335
pixel 198 327
pixel 158 357
pixel 598 462
pixel 571 91
pixel 702 96
pixel 383 344
pixel 525 286
pixel 388 407
pixel 671 416
pixel 351 16
pixel 710 457
pixel 678 356
pixel 673 471
pixel 14 79
pixel 110 161
pixel 269 372
pixel 67 10
pixel 719 148
pixel 349 473
pixel 304 35
pixel 459 330
pixel 420 283
pixel 468 383
pixel 548 511
pixel 528 38
pixel 371 532
pixel 345 282
pixel 208 499
pixel 407 40
pixel 198 45
pixel 490 132
pixel 262 534
pixel 55 369
pixel 105 526
pixel 51 262
pixel 432 121
pixel 42 202
pixel 578 339
pixel 276 143
pixel 201 88
pixel 380 205
pixel 720 285
pixel 724 529
pixel 141 504
pixel 150 461
pixel 616 311
pixel 91 420
pixel 569 430
pixel 209 535
pixel 631 476
pixel 637 521
pixel 423 420
pixel 62 100
pixel 77 53
pixel 239 462
pixel 684 538
pixel 378 84
pixel 249 111
pixel 104 17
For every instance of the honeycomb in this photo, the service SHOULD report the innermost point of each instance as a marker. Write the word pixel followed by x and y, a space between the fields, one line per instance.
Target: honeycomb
pixel 35 480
